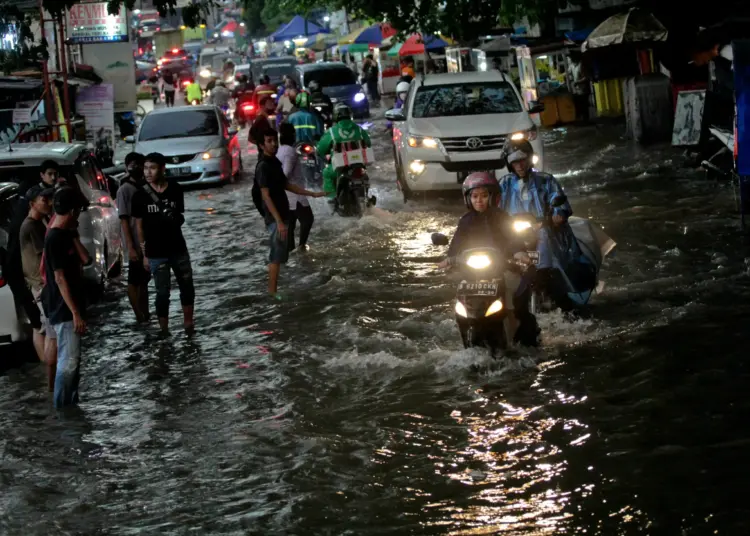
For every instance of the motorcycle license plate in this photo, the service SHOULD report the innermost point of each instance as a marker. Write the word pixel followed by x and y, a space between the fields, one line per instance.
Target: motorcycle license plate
pixel 479 288
pixel 178 172
pixel 534 256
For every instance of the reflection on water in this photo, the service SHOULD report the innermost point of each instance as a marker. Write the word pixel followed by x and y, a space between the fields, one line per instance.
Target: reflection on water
pixel 350 407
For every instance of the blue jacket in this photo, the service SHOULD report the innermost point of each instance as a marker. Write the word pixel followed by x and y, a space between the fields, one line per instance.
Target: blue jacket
pixel 307 126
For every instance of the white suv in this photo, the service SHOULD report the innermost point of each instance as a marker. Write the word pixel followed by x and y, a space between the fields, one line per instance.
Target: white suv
pixel 454 124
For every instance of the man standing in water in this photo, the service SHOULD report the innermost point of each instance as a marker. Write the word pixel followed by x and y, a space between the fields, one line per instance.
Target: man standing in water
pixel 138 276
pixel 158 209
pixel 269 175
pixel 64 294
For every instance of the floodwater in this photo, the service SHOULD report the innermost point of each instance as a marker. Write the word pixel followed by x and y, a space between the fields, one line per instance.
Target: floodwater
pixel 350 408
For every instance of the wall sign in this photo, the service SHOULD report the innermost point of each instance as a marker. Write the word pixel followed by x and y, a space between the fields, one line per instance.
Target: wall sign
pixel 91 23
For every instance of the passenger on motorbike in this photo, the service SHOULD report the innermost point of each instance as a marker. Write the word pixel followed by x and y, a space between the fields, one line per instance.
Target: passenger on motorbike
pixel 402 89
pixel 220 95
pixel 318 99
pixel 193 92
pixel 487 225
pixel 242 89
pixel 307 126
pixel 344 131
pixel 525 190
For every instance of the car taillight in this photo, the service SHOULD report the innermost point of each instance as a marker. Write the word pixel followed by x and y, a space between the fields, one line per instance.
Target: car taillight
pixel 248 107
pixel 2 282
pixel 175 51
pixel 186 83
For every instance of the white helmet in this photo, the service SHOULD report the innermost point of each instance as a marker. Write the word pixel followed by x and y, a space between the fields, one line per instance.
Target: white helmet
pixel 402 87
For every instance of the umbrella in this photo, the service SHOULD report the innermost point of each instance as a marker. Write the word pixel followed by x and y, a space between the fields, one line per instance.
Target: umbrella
pixel 319 42
pixel 371 35
pixel 295 28
pixel 632 26
pixel 415 45
pixel 393 51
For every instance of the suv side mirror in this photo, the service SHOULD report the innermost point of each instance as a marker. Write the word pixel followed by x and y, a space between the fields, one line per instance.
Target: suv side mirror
pixel 536 107
pixel 396 114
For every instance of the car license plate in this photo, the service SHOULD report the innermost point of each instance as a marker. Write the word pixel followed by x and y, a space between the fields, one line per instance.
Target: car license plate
pixel 178 172
pixel 479 288
pixel 534 256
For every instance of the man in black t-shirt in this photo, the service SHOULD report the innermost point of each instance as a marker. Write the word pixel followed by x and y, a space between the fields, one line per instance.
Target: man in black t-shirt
pixel 158 209
pixel 64 294
pixel 273 185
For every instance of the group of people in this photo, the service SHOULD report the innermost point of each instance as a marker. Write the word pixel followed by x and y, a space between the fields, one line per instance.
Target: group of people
pixel 562 269
pixel 44 238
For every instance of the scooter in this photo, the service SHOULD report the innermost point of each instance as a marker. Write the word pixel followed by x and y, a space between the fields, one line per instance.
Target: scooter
pixel 311 168
pixel 352 192
pixel 480 306
pixel 245 112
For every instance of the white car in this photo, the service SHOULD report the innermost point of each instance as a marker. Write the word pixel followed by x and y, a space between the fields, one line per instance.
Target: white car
pixel 199 142
pixel 13 327
pixel 99 223
pixel 456 123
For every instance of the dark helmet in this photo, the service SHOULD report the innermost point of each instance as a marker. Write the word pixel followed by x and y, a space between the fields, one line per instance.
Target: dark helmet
pixel 265 80
pixel 481 179
pixel 341 112
pixel 244 79
pixel 515 150
pixel 314 86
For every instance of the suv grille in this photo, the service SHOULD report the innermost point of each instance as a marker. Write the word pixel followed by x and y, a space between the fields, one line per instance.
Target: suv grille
pixel 477 143
pixel 179 159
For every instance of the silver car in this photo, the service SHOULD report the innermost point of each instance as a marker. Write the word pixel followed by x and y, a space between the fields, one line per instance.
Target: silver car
pixel 200 144
pixel 99 223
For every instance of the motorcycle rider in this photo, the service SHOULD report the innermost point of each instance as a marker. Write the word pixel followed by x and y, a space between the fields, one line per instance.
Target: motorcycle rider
pixel 344 130
pixel 307 126
pixel 486 225
pixel 264 89
pixel 321 100
pixel 402 89
pixel 560 258
pixel 243 87
pixel 193 92
pixel 220 95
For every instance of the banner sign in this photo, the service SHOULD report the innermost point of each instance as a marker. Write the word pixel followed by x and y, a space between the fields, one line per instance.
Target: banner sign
pixel 96 104
pixel 91 23
pixel 114 62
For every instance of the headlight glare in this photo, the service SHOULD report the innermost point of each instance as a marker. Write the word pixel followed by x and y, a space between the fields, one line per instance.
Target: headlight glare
pixel 478 262
pixel 359 97
pixel 518 136
pixel 214 153
pixel 495 307
pixel 520 226
pixel 460 309
pixel 535 159
pixel 205 73
pixel 417 167
pixel 423 141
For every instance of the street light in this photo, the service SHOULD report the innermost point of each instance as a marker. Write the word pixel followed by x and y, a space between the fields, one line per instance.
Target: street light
pixel 242 24
pixel 136 12
pixel 326 19
pixel 287 43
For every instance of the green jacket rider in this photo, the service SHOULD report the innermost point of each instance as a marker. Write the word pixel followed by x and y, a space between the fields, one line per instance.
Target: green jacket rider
pixel 343 130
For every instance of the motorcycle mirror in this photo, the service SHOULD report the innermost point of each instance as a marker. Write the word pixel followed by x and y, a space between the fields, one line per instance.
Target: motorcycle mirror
pixel 560 200
pixel 439 239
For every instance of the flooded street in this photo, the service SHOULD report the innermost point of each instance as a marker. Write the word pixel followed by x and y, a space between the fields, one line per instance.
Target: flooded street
pixel 349 407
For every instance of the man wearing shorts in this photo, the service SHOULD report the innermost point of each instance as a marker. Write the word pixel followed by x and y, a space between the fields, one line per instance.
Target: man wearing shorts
pixel 269 175
pixel 138 276
pixel 31 239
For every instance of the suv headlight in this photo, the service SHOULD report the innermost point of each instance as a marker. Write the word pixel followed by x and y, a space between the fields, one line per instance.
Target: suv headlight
pixel 530 135
pixel 214 153
pixel 423 141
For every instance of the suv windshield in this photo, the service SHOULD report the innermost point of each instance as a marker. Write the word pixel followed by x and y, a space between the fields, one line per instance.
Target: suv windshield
pixel 466 99
pixel 339 76
pixel 182 124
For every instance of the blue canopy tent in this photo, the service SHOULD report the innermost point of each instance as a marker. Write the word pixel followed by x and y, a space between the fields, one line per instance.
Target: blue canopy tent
pixel 295 28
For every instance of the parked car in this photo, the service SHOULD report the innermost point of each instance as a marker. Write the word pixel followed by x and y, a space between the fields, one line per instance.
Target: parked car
pixel 454 124
pixel 338 82
pixel 99 224
pixel 14 327
pixel 199 142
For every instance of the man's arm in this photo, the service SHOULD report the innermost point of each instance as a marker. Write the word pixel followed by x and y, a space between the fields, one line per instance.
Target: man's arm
pixel 301 191
pixel 553 190
pixel 62 283
pixel 129 238
pixel 124 203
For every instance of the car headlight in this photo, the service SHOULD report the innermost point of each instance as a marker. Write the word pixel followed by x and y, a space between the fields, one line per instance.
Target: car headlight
pixel 417 167
pixel 535 159
pixel 530 135
pixel 423 141
pixel 478 262
pixel 460 309
pixel 359 97
pixel 495 307
pixel 214 153
pixel 520 226
pixel 205 73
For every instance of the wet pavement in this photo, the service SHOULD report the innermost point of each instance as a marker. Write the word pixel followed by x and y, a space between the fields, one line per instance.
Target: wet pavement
pixel 349 406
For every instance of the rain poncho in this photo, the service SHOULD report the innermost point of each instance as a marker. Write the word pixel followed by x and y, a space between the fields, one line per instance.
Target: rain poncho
pixel 557 248
pixel 345 131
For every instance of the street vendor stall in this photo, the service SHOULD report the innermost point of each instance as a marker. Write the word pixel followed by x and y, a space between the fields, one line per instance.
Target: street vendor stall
pixel 463 59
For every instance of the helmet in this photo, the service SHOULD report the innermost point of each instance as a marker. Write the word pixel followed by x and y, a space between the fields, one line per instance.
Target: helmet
pixel 313 86
pixel 341 112
pixel 515 150
pixel 481 179
pixel 402 87
pixel 302 101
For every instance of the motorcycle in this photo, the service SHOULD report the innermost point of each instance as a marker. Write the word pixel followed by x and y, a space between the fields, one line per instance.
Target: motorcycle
pixel 480 306
pixel 311 168
pixel 593 242
pixel 352 191
pixel 245 112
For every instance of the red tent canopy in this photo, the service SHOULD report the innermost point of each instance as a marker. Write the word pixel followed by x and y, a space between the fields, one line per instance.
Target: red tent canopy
pixel 414 45
pixel 231 26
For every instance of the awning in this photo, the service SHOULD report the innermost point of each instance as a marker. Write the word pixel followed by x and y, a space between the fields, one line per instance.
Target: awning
pixel 371 35
pixel 415 45
pixel 320 42
pixel 393 51
pixel 295 28
pixel 632 26
pixel 356 48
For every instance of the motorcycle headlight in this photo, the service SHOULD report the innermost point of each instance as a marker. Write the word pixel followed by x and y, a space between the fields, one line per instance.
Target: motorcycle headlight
pixel 359 97
pixel 214 153
pixel 478 262
pixel 535 160
pixel 520 226
pixel 495 307
pixel 460 309
pixel 205 73
pixel 423 141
